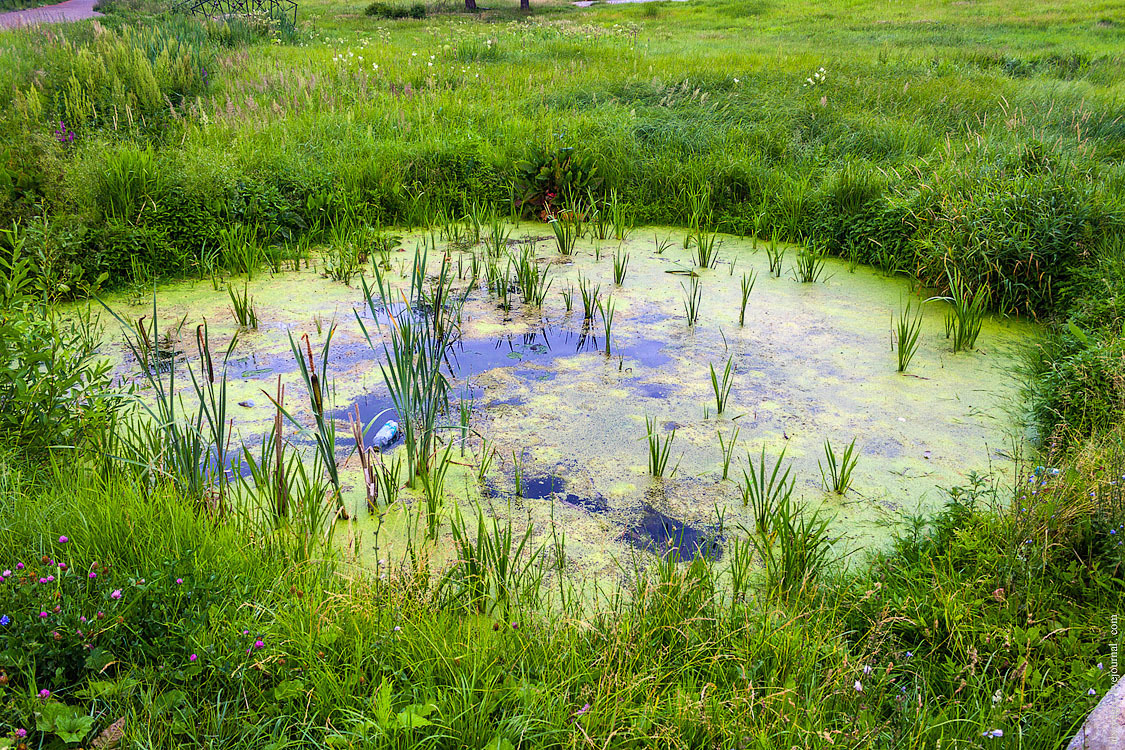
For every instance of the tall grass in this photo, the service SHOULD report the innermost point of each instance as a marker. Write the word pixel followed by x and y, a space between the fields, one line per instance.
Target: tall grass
pixel 907 329
pixel 659 448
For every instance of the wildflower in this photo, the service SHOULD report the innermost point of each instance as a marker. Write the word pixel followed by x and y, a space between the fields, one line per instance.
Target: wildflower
pixel 43 615
pixel 44 694
pixel 259 644
pixel 868 669
pixel 909 654
pixel 397 628
pixel 93 575
pixel 21 733
pixel 1091 691
pixel 50 579
pixel 7 573
pixel 193 657
pixel 63 540
pixel 5 620
pixel 582 710
pixel 993 733
pixel 179 581
pixel 1100 666
pixel 858 686
pixel 116 594
pixel 19 566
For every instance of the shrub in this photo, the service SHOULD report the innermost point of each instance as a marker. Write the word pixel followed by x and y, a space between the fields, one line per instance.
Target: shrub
pixel 380 9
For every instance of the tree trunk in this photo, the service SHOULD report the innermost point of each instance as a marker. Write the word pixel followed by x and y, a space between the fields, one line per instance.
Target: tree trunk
pixel 471 5
pixel 525 4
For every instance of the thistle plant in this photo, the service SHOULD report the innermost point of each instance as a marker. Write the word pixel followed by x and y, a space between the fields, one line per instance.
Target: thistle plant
pixel 836 472
pixel 747 285
pixel 907 329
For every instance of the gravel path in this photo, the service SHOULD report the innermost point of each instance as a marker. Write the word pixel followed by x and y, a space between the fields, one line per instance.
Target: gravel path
pixel 71 10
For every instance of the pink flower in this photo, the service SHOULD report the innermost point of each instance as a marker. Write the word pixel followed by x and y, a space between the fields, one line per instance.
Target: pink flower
pixel 44 694
pixel 43 614
pixel 179 581
pixel 193 657
pixel 63 540
pixel 116 594
pixel 858 686
pixel 21 733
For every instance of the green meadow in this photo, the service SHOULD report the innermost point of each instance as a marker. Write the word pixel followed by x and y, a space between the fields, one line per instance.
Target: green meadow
pixel 799 248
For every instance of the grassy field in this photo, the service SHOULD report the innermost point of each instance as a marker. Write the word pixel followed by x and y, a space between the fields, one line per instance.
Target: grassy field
pixel 974 147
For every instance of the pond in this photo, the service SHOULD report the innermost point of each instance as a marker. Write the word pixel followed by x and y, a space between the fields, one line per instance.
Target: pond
pixel 813 362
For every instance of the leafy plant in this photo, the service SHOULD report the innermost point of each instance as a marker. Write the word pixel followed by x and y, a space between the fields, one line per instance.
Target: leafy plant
pixel 747 286
pixel 620 266
pixel 242 306
pixel 693 296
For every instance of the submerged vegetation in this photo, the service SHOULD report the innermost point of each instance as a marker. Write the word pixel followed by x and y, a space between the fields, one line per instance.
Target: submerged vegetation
pixel 163 585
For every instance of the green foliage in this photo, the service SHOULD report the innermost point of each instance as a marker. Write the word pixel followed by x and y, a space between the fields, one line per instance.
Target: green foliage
pixel 50 373
pixel 380 9
pixel 546 179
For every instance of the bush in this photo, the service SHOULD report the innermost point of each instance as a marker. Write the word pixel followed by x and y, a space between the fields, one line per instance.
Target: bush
pixel 380 9
pixel 50 375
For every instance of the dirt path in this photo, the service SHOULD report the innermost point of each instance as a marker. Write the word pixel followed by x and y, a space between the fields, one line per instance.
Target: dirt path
pixel 71 10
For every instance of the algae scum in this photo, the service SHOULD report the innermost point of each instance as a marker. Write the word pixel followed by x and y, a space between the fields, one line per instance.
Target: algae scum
pixel 814 362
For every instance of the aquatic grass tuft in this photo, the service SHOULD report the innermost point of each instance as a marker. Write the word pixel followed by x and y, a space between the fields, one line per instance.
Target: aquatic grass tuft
pixel 568 296
pixel 965 318
pixel 566 234
pixel 661 244
pixel 726 447
pixel 747 286
pixel 607 310
pixel 706 254
pixel 693 296
pixel 836 472
pixel 722 387
pixel 907 330
pixel 590 294
pixel 620 266
pixel 531 280
pixel 242 306
pixel 775 254
pixel 764 489
pixel 809 267
pixel 659 448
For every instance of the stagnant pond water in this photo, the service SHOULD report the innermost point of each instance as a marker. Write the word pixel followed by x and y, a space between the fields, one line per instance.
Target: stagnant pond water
pixel 814 361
